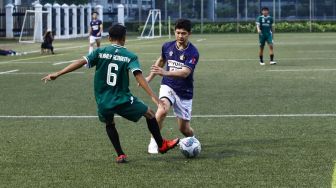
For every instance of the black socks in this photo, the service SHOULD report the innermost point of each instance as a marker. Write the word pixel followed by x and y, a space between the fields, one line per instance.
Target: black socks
pixel 153 127
pixel 261 59
pixel 114 137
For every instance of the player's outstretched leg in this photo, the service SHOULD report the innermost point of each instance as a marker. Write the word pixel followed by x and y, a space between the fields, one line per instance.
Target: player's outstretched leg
pixel 153 126
pixel 160 115
pixel 114 138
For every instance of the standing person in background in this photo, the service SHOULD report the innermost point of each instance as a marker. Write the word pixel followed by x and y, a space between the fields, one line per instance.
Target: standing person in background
pixel 265 31
pixel 95 31
pixel 47 42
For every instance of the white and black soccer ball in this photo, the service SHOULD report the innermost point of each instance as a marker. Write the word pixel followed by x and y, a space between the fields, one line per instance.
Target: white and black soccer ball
pixel 190 147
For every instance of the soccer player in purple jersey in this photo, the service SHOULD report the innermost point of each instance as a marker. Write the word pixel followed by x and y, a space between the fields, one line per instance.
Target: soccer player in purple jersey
pixel 180 58
pixel 95 31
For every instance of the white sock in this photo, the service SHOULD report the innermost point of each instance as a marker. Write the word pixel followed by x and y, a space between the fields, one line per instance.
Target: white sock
pixel 152 140
pixel 90 49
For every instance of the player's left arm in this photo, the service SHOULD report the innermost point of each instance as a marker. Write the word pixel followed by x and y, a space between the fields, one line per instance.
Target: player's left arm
pixel 72 67
pixel 181 73
pixel 272 28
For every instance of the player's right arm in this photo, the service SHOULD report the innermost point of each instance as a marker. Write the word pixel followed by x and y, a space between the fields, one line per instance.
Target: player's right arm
pixel 144 84
pixel 72 67
pixel 90 30
pixel 258 25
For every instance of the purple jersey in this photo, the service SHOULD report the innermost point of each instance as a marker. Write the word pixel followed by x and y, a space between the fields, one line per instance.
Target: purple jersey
pixel 95 26
pixel 176 59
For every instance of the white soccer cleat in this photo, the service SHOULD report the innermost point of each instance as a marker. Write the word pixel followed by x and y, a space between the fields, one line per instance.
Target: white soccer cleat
pixel 153 148
pixel 273 63
pixel 261 63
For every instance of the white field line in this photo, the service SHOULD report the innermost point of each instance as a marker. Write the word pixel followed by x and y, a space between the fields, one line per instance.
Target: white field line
pixel 37 73
pixel 26 62
pixel 254 59
pixel 10 71
pixel 201 60
pixel 194 116
pixel 64 62
pixel 301 70
pixel 72 47
pixel 40 57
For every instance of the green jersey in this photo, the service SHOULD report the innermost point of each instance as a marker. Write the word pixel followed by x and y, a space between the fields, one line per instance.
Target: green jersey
pixel 265 23
pixel 111 80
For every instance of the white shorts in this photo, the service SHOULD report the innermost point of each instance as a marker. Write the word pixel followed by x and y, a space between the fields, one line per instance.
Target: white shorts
pixel 93 39
pixel 182 107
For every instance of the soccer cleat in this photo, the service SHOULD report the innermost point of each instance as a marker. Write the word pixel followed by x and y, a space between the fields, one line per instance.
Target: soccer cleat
pixel 153 148
pixel 273 63
pixel 168 144
pixel 261 63
pixel 121 159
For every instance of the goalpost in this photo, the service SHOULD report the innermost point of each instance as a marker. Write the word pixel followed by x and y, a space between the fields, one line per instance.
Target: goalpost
pixel 32 27
pixel 153 24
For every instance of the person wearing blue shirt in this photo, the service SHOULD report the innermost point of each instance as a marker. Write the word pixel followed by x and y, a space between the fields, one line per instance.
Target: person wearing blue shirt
pixel 180 58
pixel 95 31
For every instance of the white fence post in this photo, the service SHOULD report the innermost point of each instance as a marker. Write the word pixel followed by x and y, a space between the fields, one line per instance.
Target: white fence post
pixel 49 9
pixel 38 23
pixel 121 15
pixel 58 20
pixel 82 27
pixel 9 21
pixel 99 9
pixel 89 11
pixel 74 20
pixel 66 20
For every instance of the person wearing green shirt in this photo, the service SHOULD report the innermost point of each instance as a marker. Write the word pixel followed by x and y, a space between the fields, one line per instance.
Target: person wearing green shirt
pixel 265 31
pixel 111 87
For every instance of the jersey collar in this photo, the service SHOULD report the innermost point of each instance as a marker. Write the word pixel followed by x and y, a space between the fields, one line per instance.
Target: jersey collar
pixel 118 46
pixel 184 48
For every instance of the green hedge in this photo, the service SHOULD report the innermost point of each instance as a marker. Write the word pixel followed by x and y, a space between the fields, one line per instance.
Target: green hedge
pixel 250 27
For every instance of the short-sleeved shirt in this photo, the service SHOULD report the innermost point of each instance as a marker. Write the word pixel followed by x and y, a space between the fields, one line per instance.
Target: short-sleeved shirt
pixel 265 23
pixel 95 26
pixel 176 59
pixel 111 80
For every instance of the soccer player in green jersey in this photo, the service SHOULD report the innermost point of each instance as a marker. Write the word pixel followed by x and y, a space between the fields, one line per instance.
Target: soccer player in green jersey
pixel 265 31
pixel 111 87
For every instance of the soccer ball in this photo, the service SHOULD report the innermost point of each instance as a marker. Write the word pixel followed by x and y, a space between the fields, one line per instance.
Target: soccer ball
pixel 190 147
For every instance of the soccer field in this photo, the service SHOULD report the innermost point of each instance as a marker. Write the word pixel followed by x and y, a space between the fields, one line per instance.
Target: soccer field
pixel 260 126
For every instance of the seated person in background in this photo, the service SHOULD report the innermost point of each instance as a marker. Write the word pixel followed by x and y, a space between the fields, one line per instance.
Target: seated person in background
pixel 47 46
pixel 7 52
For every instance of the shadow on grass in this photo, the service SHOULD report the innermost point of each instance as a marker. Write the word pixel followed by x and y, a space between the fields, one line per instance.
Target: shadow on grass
pixel 236 148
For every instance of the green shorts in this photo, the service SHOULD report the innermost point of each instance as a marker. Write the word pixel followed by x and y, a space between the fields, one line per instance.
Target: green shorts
pixel 132 111
pixel 263 38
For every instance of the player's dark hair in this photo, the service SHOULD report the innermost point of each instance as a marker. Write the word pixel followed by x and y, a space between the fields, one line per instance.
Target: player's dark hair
pixel 183 24
pixel 265 8
pixel 117 32
pixel 95 12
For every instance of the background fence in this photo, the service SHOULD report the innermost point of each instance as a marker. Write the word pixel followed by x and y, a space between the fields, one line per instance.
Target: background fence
pixel 2 22
pixel 229 10
pixel 237 15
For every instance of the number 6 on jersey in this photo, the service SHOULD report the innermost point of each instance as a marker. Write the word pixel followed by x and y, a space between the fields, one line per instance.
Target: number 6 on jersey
pixel 111 76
